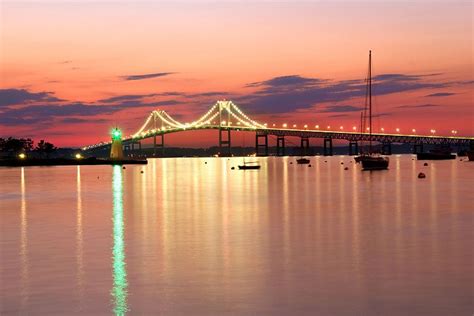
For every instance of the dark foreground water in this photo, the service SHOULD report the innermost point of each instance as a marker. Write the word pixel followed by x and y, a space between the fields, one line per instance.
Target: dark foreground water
pixel 189 238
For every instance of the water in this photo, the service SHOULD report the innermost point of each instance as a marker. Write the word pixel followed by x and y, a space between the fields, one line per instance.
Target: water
pixel 190 238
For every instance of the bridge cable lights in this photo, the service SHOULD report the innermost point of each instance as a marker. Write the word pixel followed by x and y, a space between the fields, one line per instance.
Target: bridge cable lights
pixel 397 130
pixel 341 127
pixel 413 131
pixel 433 131
pixel 354 128
pixel 316 126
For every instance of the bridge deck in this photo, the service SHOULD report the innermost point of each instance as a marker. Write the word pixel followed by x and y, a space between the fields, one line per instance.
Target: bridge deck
pixel 310 133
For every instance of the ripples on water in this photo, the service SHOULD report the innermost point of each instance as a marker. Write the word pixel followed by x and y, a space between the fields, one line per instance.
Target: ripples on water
pixel 191 238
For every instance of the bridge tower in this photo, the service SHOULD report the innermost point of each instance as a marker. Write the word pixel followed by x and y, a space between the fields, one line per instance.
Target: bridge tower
pixel 353 148
pixel 224 133
pixel 116 151
pixel 280 148
pixel 259 146
pixel 327 146
pixel 304 146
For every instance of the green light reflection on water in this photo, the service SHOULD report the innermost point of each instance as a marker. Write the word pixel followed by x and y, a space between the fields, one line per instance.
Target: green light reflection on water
pixel 119 290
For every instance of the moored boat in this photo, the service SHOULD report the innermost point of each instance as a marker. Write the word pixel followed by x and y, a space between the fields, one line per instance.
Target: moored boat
pixel 249 166
pixel 435 156
pixel 371 160
pixel 303 161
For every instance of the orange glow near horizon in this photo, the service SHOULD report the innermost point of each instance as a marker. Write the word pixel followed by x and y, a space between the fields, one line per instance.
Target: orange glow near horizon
pixel 81 53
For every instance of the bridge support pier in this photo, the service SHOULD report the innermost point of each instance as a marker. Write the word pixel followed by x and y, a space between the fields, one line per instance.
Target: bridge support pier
pixel 327 146
pixel 387 148
pixel 280 149
pixel 259 146
pixel 161 144
pixel 353 148
pixel 304 147
pixel 471 145
pixel 417 148
pixel 224 141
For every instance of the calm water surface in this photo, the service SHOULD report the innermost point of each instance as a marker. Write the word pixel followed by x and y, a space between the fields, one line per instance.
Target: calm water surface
pixel 190 238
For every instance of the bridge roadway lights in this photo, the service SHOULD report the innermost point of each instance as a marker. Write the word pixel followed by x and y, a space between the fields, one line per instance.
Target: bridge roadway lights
pixel 258 145
pixel 417 148
pixel 387 148
pixel 353 148
pixel 327 146
pixel 224 141
pixel 304 147
pixel 280 150
pixel 161 144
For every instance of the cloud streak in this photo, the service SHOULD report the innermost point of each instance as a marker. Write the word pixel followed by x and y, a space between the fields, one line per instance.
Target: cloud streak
pixel 146 76
pixel 21 96
pixel 290 93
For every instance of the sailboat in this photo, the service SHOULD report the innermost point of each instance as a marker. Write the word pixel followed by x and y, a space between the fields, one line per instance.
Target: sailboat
pixel 248 165
pixel 370 160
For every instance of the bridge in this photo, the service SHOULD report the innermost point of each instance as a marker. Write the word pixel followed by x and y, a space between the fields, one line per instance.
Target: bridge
pixel 225 116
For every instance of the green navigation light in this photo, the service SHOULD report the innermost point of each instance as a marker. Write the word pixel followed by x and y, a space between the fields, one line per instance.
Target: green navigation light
pixel 116 134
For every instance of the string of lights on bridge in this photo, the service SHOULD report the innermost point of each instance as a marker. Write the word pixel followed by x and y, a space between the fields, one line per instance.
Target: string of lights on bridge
pixel 225 114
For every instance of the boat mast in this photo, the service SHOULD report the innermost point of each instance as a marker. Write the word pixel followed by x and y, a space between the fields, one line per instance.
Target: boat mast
pixel 370 101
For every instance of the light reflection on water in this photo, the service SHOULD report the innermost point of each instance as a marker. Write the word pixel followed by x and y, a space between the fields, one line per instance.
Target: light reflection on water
pixel 186 237
pixel 119 290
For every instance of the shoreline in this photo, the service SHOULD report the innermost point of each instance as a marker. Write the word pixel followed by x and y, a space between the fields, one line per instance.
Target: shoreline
pixel 68 162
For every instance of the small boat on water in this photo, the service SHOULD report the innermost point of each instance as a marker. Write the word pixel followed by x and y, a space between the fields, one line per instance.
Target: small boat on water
pixel 371 160
pixel 303 161
pixel 249 166
pixel 437 154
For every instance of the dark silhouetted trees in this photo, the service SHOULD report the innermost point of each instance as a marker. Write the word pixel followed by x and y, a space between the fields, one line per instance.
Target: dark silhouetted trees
pixel 16 145
pixel 45 148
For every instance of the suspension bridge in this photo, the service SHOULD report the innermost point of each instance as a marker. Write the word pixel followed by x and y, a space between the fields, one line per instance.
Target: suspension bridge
pixel 225 116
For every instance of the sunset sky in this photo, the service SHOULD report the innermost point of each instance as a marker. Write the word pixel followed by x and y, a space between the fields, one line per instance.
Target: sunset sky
pixel 70 70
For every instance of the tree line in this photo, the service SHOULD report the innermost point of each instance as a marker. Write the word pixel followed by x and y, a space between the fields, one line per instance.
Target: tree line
pixel 14 146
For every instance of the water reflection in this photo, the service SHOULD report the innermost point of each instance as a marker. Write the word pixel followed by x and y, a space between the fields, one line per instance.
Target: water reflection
pixel 79 240
pixel 119 290
pixel 24 243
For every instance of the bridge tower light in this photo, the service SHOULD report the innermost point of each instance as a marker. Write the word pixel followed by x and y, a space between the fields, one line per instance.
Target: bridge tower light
pixel 316 126
pixel 285 125
pixel 398 130
pixel 306 126
pixel 341 127
pixel 413 130
pixel 294 125
pixel 354 128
